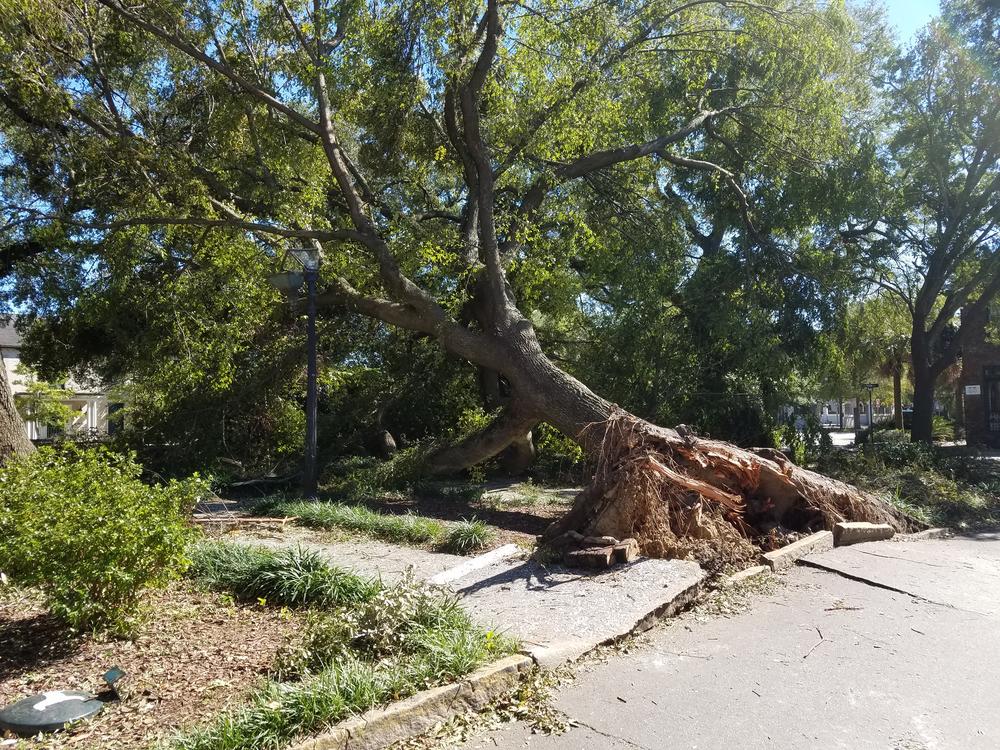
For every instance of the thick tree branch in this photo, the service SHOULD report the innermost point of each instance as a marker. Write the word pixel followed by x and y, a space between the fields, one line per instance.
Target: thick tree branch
pixel 174 40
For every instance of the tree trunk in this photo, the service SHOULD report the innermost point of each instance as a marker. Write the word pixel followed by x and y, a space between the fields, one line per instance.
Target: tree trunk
pixel 678 494
pixel 897 396
pixel 13 439
pixel 922 429
pixel 517 457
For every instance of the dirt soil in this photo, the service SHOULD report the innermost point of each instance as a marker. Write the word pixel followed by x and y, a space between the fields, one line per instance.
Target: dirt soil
pixel 195 655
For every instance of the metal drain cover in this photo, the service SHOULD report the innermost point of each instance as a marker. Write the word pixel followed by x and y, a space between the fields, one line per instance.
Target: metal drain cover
pixel 47 712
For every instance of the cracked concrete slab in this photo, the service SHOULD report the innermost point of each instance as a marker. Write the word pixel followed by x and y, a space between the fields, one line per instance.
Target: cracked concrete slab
pixel 960 572
pixel 561 613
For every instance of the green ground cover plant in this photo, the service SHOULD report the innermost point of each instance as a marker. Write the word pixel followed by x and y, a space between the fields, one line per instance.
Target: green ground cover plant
pixel 461 538
pixel 285 577
pixel 932 485
pixel 365 643
pixel 466 536
pixel 81 526
pixel 406 528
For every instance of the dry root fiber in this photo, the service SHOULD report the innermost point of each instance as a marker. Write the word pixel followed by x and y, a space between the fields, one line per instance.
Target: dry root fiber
pixel 682 496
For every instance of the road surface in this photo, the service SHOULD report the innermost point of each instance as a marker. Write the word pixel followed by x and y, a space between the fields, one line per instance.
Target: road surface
pixel 823 661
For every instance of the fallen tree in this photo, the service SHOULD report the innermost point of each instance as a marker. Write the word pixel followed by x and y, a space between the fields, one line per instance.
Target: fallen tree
pixel 362 183
pixel 684 496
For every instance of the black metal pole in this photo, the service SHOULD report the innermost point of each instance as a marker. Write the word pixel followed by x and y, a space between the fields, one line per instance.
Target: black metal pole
pixel 871 416
pixel 309 478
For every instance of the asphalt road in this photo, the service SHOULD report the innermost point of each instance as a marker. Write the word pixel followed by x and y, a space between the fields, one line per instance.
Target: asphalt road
pixel 822 661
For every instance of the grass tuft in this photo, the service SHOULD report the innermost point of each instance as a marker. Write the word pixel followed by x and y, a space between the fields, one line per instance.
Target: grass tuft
pixel 408 528
pixel 467 536
pixel 286 577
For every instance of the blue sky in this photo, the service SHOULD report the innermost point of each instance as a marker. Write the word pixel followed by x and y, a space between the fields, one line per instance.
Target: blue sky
pixel 909 15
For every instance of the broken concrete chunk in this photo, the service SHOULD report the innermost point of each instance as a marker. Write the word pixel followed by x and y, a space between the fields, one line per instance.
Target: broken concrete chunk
pixel 786 556
pixel 591 557
pixel 935 533
pixel 626 551
pixel 599 541
pixel 743 575
pixel 854 532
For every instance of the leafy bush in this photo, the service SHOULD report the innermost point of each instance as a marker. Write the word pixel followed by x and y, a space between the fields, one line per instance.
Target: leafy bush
pixel 560 459
pixel 289 577
pixel 399 620
pixel 366 478
pixel 467 536
pixel 80 525
pixel 932 486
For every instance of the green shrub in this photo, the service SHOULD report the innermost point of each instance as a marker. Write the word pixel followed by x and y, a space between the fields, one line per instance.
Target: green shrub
pixel 288 577
pixel 932 486
pixel 368 479
pixel 467 536
pixel 560 459
pixel 942 429
pixel 81 526
pixel 396 621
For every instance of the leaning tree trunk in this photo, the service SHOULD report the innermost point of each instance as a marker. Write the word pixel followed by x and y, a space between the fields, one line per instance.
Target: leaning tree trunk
pixel 13 439
pixel 678 494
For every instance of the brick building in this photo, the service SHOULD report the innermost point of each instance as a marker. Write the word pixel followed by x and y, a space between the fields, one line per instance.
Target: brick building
pixel 980 382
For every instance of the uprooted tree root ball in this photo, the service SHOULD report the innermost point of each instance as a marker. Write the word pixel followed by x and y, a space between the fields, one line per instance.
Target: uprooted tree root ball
pixel 682 496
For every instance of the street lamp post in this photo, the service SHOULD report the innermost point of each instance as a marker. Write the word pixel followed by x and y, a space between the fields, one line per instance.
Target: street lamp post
pixel 291 282
pixel 871 415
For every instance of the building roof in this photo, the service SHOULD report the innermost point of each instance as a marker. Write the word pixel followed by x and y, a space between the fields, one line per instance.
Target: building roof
pixel 9 336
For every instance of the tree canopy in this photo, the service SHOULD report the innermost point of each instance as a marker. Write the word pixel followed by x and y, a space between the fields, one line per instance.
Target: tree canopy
pixel 934 236
pixel 463 167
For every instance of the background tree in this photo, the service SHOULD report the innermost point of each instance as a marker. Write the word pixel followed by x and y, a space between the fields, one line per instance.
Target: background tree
pixel 43 402
pixel 431 152
pixel 937 235
pixel 877 342
pixel 13 439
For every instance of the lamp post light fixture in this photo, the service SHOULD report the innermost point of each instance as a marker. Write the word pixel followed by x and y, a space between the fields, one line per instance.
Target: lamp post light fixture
pixel 289 282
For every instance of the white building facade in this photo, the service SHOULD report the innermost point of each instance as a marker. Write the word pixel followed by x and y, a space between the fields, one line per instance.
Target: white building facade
pixel 89 403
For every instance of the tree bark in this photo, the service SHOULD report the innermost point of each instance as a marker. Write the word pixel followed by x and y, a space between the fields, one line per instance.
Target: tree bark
pixel 924 380
pixel 517 457
pixel 506 429
pixel 922 429
pixel 897 396
pixel 13 439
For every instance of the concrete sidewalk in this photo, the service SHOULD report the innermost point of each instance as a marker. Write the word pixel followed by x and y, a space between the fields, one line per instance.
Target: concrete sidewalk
pixel 557 613
pixel 824 662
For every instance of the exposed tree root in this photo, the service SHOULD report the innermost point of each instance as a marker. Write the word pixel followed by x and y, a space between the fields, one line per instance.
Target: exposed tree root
pixel 682 496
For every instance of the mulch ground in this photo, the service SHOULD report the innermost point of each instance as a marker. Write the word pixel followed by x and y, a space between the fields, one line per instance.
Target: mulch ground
pixel 196 654
pixel 514 516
